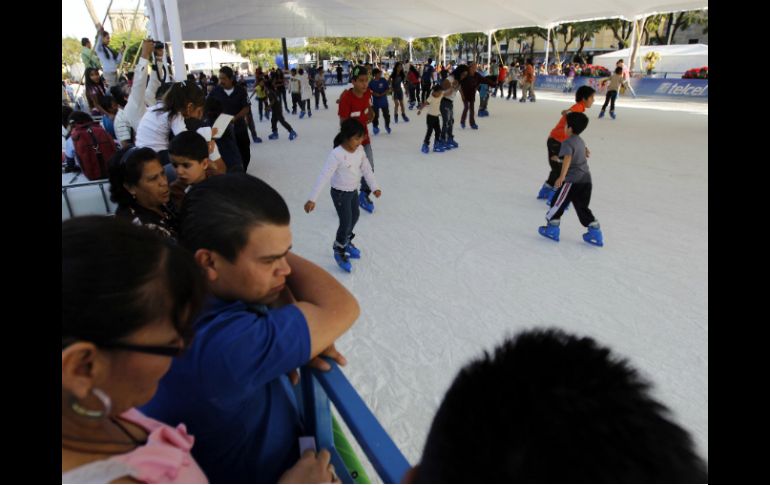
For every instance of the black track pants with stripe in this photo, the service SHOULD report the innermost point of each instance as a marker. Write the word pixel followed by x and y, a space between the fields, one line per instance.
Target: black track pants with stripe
pixel 579 195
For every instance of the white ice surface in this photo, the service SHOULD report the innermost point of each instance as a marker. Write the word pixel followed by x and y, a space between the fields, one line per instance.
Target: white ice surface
pixel 452 261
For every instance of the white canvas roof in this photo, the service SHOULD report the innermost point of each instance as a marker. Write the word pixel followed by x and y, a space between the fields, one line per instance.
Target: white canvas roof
pixel 249 19
pixel 673 58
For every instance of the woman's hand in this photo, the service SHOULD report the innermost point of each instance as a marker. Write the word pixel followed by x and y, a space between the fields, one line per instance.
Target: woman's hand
pixel 310 205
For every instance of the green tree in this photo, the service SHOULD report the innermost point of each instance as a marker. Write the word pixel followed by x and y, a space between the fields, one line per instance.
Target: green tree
pixel 70 51
pixel 585 31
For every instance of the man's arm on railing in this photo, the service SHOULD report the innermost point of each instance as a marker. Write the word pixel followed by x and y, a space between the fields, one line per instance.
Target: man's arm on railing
pixel 329 308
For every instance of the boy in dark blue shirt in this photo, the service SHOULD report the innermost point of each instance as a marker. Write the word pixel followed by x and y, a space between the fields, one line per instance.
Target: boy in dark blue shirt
pixel 380 90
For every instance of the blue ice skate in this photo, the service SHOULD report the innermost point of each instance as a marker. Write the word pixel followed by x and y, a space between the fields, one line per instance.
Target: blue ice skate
pixel 292 135
pixel 544 192
pixel 273 136
pixel 612 115
pixel 601 114
pixel 454 143
pixel 343 261
pixel 301 114
pixel 376 130
pixel 438 147
pixel 352 251
pixel 396 117
pixel 406 120
pixel 365 203
pixel 474 126
pixel 594 236
pixel 550 231
pixel 387 128
pixel 425 148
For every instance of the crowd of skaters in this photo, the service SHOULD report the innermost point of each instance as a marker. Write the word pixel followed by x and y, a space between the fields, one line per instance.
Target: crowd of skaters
pixel 201 247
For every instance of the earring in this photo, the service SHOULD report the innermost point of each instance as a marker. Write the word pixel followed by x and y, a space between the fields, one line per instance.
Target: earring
pixel 90 413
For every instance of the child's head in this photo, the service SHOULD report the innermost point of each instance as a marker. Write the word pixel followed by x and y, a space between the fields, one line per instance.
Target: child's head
pixel 618 70
pixel 585 94
pixel 445 84
pixel 66 111
pixel 436 91
pixel 351 134
pixel 79 118
pixel 184 98
pixel 293 71
pixel 359 79
pixel 548 407
pixel 189 154
pixel 118 93
pixel 109 104
pixel 576 123
pixel 376 73
pixel 301 71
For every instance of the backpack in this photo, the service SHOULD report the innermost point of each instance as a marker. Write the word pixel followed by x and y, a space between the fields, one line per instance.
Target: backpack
pixel 94 148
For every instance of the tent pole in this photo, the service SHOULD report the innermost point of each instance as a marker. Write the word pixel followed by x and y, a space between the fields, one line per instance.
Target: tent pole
pixel 285 54
pixel 410 50
pixel 443 49
pixel 175 31
pixel 547 46
pixel 489 48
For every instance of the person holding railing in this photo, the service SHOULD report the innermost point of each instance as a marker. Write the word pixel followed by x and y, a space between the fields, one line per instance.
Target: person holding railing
pixel 270 312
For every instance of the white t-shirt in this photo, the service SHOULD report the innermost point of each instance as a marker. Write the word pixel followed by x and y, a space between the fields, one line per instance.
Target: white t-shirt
pixel 344 169
pixel 155 126
pixel 434 108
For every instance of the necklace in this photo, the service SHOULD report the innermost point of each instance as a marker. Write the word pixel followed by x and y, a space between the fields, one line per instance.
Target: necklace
pixel 134 442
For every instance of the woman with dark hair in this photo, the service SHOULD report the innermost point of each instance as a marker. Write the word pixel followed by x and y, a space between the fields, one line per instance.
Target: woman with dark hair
pixel 139 186
pixel 397 79
pixel 109 58
pixel 413 78
pixel 129 299
pixel 95 91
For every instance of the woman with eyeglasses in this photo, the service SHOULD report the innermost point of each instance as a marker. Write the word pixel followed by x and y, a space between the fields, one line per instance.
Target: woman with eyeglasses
pixel 139 186
pixel 129 299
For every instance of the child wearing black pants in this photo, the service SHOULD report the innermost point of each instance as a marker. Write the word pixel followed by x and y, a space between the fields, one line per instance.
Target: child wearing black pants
pixel 434 125
pixel 343 168
pixel 274 102
pixel 573 185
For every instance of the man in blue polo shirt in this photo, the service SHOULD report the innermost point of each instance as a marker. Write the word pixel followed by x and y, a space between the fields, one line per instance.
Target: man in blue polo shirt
pixel 230 388
pixel 379 87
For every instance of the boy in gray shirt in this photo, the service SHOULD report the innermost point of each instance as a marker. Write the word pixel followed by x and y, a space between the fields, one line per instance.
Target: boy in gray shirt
pixel 573 185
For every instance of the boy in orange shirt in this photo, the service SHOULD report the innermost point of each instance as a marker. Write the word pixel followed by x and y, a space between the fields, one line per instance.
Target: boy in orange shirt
pixel 584 99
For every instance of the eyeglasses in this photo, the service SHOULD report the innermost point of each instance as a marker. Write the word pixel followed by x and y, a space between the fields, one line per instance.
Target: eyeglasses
pixel 167 351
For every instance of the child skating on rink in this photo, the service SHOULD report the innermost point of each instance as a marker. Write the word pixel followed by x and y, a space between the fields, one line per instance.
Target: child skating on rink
pixel 616 81
pixel 573 184
pixel 433 119
pixel 344 167
pixel 584 99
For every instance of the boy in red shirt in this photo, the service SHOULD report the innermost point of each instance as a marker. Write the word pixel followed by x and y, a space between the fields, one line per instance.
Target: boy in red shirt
pixel 356 103
pixel 584 99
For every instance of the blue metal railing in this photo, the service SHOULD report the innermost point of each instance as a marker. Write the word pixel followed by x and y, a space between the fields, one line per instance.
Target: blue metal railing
pixel 318 389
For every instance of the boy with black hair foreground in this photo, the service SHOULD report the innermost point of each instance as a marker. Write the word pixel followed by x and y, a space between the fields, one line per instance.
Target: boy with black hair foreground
pixel 548 407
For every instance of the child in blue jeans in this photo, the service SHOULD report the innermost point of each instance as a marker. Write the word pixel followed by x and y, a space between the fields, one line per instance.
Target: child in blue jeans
pixel 344 167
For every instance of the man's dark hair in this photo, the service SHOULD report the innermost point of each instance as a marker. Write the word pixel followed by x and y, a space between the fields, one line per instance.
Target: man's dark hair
pixel 577 121
pixel 583 93
pixel 227 71
pixel 618 70
pixel 190 145
pixel 549 407
pixel 219 213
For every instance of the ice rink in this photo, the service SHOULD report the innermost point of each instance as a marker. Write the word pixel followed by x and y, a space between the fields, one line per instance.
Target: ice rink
pixel 452 262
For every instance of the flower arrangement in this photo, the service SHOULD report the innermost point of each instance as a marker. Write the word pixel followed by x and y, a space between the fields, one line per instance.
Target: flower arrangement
pixel 697 73
pixel 590 70
pixel 651 58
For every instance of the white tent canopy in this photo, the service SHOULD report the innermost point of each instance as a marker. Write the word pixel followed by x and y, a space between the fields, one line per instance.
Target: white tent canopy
pixel 673 58
pixel 204 59
pixel 250 19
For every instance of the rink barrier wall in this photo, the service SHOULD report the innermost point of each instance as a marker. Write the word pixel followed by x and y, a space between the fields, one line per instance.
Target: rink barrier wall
pixel 678 88
pixel 316 392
